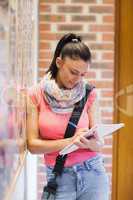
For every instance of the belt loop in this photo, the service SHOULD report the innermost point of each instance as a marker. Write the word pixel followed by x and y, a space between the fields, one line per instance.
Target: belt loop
pixel 87 165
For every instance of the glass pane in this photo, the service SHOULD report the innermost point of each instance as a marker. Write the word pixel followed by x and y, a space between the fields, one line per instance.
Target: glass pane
pixel 16 73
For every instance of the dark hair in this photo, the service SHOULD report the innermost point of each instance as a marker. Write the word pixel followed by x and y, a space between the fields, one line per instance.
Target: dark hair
pixel 70 45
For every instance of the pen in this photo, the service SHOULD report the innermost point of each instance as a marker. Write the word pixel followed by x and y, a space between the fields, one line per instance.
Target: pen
pixel 75 126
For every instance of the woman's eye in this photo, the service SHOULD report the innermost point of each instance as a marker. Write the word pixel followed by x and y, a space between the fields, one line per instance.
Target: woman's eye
pixel 74 73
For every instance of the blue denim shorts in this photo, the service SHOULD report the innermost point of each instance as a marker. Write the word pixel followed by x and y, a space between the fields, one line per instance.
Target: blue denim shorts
pixel 85 181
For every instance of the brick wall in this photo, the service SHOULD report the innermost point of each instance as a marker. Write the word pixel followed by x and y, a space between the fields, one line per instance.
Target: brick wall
pixel 94 21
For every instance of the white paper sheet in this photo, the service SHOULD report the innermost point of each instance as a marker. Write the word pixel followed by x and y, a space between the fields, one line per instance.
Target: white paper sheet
pixel 102 130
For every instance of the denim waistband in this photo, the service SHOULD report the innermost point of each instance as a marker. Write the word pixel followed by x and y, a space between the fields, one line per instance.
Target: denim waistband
pixel 89 164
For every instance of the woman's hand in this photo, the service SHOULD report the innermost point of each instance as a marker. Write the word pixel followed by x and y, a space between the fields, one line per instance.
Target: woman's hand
pixel 94 143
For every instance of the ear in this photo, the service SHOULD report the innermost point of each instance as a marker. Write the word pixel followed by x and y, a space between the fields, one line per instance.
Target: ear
pixel 59 62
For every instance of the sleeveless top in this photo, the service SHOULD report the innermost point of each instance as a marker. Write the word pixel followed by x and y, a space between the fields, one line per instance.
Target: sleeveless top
pixel 52 126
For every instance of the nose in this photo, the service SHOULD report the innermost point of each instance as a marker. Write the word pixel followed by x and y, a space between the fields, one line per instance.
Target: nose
pixel 76 79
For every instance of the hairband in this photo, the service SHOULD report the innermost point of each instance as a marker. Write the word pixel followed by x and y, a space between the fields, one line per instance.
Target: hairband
pixel 75 40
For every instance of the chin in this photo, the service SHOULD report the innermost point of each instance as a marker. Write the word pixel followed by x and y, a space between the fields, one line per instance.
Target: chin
pixel 69 85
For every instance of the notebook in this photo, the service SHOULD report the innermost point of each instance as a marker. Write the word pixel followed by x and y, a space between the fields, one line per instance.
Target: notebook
pixel 102 130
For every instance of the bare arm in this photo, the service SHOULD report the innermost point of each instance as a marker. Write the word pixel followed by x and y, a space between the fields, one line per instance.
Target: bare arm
pixel 35 144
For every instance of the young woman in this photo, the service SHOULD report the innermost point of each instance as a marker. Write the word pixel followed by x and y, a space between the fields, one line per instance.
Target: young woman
pixel 50 105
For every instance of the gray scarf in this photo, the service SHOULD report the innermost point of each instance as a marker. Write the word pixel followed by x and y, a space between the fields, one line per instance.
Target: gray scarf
pixel 61 100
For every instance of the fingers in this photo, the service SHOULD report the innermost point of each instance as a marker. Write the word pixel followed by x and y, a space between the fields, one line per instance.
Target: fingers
pixel 97 137
pixel 84 140
pixel 81 141
pixel 96 134
pixel 78 142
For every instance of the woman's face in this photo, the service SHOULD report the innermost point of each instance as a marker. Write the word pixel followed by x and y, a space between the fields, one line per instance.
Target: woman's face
pixel 70 71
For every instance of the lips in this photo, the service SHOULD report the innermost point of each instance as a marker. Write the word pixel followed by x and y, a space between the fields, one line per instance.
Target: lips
pixel 73 83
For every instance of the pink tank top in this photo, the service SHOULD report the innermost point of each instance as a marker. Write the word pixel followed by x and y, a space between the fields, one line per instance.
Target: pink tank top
pixel 53 125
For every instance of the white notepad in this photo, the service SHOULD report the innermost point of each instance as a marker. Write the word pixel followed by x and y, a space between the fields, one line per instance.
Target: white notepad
pixel 102 130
